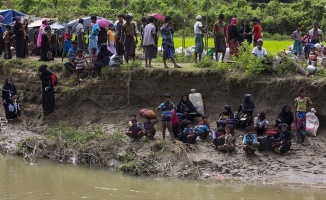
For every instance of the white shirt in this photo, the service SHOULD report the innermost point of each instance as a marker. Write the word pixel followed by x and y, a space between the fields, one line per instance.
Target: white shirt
pixel 197 27
pixel 311 32
pixel 149 31
pixel 258 52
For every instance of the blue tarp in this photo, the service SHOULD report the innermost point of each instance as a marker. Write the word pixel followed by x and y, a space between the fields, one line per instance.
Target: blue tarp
pixel 9 16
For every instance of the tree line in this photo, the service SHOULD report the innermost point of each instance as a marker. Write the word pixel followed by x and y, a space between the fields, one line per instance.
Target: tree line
pixel 277 16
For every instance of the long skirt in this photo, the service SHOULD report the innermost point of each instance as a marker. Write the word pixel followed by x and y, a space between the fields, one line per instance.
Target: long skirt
pixel 234 47
pixel 20 47
pixel 168 50
pixel 81 40
pixel 199 44
pixel 119 47
pixel 150 51
pixel 46 53
pixel 92 44
pixel 220 45
pixel 301 123
pixel 130 45
pixel 297 47
pixel 47 100
pixel 111 48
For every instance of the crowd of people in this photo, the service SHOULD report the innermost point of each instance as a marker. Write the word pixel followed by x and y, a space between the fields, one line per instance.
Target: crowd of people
pixel 179 120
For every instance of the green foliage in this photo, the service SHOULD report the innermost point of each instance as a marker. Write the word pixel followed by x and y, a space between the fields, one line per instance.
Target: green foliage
pixel 133 64
pixel 206 62
pixel 65 133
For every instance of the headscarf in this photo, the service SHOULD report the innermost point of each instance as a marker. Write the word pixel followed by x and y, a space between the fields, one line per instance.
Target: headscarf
pixel 285 116
pixel 187 103
pixel 103 51
pixel 44 74
pixel 234 21
pixel 10 88
pixel 40 32
pixel 229 111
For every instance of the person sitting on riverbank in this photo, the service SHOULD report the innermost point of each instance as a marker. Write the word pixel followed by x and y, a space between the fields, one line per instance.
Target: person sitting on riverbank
pixel 313 56
pixel 249 142
pixel 285 116
pixel 167 107
pixel 186 109
pixel 224 116
pixel 283 140
pixel 72 53
pixel 203 127
pixel 134 130
pixel 149 128
pixel 261 124
pixel 228 145
pixel 133 117
pixel 188 134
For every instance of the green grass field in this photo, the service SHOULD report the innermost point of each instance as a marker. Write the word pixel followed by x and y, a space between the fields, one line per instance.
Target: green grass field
pixel 271 46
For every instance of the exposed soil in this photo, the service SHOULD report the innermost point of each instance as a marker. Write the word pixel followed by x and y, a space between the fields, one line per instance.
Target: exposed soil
pixel 108 103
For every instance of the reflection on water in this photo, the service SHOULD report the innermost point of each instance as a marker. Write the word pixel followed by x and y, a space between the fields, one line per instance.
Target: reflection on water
pixel 48 181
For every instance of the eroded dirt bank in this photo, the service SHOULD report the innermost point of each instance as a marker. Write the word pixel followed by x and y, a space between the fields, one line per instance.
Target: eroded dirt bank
pixel 108 103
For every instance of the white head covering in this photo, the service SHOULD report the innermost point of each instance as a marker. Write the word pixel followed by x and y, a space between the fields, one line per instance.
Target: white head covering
pixel 198 17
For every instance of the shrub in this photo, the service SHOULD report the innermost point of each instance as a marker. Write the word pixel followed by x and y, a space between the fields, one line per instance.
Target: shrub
pixel 206 62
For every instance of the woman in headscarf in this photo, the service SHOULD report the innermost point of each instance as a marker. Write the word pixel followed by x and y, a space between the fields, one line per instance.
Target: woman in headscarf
pixel 103 59
pixel 9 95
pixel 234 37
pixel 43 41
pixel 285 116
pixel 185 107
pixel 224 116
pixel 80 35
pixel 245 32
pixel 47 89
pixel 102 37
pixel 19 39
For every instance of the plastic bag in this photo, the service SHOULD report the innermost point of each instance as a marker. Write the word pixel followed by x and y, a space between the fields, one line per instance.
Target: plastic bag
pixel 312 123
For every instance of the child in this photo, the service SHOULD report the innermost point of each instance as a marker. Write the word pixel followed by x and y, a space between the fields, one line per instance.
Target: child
pixel 24 27
pixel 188 134
pixel 313 55
pixel 301 104
pixel 282 141
pixel 167 107
pixel 67 36
pixel 14 108
pixel 228 145
pixel 261 124
pixel 224 115
pixel 93 58
pixel 149 128
pixel 134 130
pixel 203 127
pixel 132 117
pixel 80 63
pixel 250 143
pixel 217 134
pixel 7 35
pixel 111 39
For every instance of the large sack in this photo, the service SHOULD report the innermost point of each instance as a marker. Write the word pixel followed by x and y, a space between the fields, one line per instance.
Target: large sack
pixel 147 114
pixel 312 123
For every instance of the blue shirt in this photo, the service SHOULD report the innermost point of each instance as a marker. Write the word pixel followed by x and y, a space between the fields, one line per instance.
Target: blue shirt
pixel 95 31
pixel 167 108
pixel 188 130
pixel 249 140
pixel 72 53
pixel 166 32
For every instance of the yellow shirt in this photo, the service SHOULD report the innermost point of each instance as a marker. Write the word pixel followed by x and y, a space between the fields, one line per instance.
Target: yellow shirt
pixel 111 35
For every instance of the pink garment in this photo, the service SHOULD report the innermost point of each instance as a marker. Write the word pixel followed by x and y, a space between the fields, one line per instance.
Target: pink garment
pixel 39 37
pixel 234 21
pixel 174 117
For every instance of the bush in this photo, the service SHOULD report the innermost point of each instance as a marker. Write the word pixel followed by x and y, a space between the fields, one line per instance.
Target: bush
pixel 206 62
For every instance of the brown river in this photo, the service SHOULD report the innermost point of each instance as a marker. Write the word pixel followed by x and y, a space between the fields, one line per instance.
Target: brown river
pixel 48 180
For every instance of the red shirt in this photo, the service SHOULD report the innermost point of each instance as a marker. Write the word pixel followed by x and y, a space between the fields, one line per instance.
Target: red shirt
pixel 67 36
pixel 257 30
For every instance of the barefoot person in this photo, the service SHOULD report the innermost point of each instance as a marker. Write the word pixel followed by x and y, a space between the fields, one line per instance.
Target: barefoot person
pixel 301 104
pixel 199 44
pixel 249 142
pixel 149 42
pixel 220 28
pixel 167 107
pixel 167 42
pixel 129 35
pixel 134 130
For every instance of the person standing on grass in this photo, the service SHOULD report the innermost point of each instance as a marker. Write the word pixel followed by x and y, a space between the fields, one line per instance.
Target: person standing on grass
pixel 150 42
pixel 167 42
pixel 7 35
pixel 129 35
pixel 234 37
pixel 111 39
pixel 67 36
pixel 297 46
pixel 257 31
pixel 93 37
pixel 316 35
pixel 80 34
pixel 199 44
pixel 220 28
pixel 118 36
pixel 245 31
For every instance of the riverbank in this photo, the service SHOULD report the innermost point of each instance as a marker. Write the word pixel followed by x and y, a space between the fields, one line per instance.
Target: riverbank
pixel 99 109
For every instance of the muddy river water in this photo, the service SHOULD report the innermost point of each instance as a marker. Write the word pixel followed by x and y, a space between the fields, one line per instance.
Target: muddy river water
pixel 47 180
